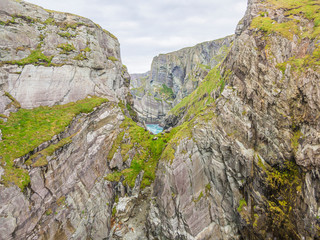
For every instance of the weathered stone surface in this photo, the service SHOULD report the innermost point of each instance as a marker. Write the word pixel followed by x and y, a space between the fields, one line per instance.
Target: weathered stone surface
pixel 91 66
pixel 69 198
pixel 181 71
pixel 259 152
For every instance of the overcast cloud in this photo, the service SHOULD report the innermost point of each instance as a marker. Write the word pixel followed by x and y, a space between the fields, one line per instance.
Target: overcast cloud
pixel 146 28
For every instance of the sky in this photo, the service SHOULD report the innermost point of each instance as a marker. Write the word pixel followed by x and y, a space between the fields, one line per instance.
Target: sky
pixel 146 28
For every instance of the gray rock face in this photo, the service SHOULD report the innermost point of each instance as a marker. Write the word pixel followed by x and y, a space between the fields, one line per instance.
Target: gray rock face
pixel 52 58
pixel 251 170
pixel 173 76
pixel 68 198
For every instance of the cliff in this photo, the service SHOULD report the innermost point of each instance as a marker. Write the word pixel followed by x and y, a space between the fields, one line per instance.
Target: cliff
pixel 61 79
pixel 173 76
pixel 50 58
pixel 246 163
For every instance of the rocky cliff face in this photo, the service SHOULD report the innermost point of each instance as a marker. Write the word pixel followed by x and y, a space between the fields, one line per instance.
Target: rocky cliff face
pixel 246 163
pixel 67 197
pixel 173 76
pixel 241 161
pixel 53 158
pixel 50 58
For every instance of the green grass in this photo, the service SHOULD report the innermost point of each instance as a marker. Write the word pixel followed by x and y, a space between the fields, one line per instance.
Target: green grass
pixel 148 153
pixel 28 128
pixel 113 59
pixel 301 64
pixel 308 9
pixel 66 48
pixel 195 200
pixel 269 26
pixel 35 57
pixel 40 158
pixel 242 203
pixel 65 26
pixel 66 35
pixel 14 101
pixel 83 54
pixel 295 140
pixel 49 21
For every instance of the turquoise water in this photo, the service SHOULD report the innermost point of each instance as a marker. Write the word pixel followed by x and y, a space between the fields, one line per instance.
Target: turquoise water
pixel 154 128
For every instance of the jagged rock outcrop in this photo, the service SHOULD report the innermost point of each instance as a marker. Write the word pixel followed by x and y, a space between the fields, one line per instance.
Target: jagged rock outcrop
pixel 68 198
pixel 50 58
pixel 173 76
pixel 247 166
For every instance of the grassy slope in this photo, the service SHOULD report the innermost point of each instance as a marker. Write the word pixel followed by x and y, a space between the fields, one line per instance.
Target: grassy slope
pixel 308 9
pixel 200 98
pixel 148 152
pixel 28 128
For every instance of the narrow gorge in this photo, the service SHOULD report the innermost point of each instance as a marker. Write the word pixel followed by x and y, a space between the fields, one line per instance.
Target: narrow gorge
pixel 239 157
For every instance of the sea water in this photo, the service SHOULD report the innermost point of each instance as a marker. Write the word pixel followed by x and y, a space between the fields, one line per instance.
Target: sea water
pixel 154 128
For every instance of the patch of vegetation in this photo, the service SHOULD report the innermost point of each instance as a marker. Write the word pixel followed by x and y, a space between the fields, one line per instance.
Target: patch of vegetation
pixel 208 188
pixel 204 67
pixel 110 34
pixel 21 48
pixel 198 198
pixel 64 26
pixel 148 153
pixel 67 35
pixel 49 21
pixel 41 37
pixel 28 128
pixel 283 186
pixel 138 91
pixel 66 48
pixel 242 203
pixel 113 59
pixel 301 64
pixel 198 100
pixel 295 140
pixel 166 93
pixel 83 54
pixel 49 212
pixel 222 53
pixel 41 157
pixel 14 101
pixel 132 113
pixel 308 9
pixel 61 201
pixel 36 57
pixel 80 57
pixel 114 211
pixel 269 26
pixel 180 132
